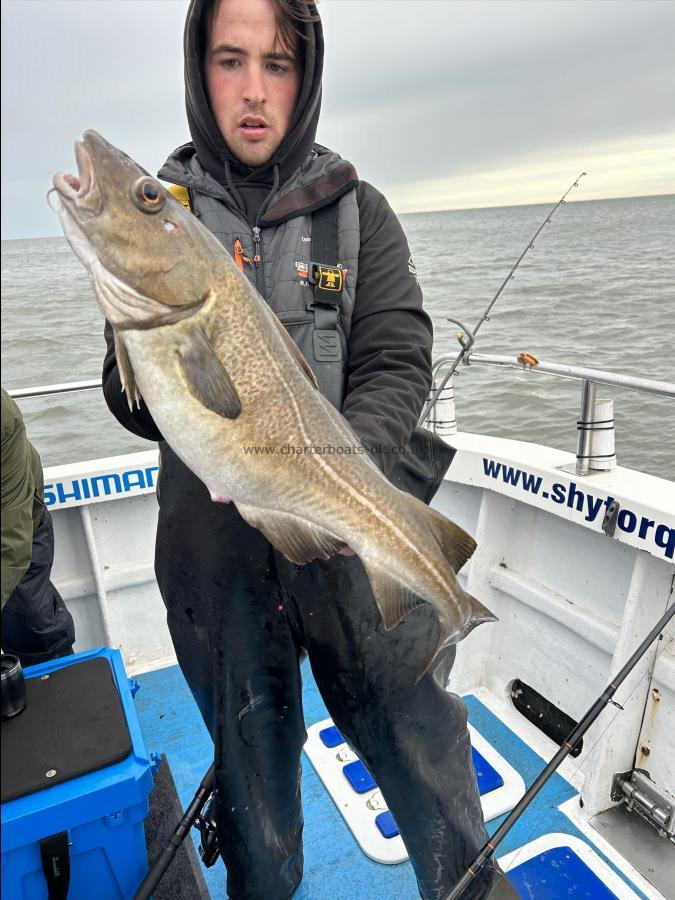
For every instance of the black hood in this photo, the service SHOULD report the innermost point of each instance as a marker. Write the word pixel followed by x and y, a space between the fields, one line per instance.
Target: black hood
pixel 210 145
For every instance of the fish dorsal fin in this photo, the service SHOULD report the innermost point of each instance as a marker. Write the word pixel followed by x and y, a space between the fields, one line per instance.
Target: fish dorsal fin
pixel 298 540
pixel 206 377
pixel 393 599
pixel 296 353
pixel 456 545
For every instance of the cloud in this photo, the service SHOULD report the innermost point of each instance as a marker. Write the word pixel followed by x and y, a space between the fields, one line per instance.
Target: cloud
pixel 438 103
pixel 640 166
pixel 464 88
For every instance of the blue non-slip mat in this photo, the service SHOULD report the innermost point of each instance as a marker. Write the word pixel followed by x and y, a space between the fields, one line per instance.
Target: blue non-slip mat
pixel 556 874
pixel 488 777
pixel 335 865
pixel 359 777
pixel 385 822
pixel 331 737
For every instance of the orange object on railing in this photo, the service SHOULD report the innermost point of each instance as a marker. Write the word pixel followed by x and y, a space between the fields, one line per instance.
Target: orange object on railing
pixel 528 359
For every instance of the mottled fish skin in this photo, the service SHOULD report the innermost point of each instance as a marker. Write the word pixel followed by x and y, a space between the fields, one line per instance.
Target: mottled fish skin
pixel 219 374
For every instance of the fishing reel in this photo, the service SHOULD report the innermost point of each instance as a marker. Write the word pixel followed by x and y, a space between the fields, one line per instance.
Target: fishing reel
pixel 206 825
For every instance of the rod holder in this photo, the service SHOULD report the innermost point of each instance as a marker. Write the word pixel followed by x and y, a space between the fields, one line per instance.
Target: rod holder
pixel 603 445
pixel 442 420
pixel 596 451
pixel 584 425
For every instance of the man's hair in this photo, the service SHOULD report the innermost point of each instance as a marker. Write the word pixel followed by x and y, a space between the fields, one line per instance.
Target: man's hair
pixel 291 16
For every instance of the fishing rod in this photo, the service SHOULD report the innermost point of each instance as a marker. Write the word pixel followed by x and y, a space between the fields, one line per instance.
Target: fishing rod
pixel 180 832
pixel 468 342
pixel 567 747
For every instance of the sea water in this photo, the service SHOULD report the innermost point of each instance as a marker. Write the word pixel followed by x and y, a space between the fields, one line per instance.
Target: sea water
pixel 597 290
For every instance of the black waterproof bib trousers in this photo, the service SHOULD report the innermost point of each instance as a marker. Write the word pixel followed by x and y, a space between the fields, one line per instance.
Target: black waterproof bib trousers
pixel 241 618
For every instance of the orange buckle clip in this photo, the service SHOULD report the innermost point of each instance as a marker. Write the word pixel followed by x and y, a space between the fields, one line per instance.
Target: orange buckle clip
pixel 239 257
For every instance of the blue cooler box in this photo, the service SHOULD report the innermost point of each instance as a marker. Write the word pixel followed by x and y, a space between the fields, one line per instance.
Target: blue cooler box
pixel 102 811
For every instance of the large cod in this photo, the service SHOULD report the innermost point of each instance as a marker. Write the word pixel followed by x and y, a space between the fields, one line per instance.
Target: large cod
pixel 237 401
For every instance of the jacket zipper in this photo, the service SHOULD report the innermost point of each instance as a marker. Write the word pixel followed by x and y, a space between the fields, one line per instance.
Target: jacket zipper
pixel 258 261
pixel 238 248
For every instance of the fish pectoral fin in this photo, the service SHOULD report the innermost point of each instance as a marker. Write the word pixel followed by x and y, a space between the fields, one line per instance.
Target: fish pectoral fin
pixel 129 385
pixel 206 377
pixel 456 545
pixel 393 599
pixel 299 540
pixel 479 614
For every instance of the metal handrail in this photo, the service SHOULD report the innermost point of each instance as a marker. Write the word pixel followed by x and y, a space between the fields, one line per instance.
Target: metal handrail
pixel 587 423
pixel 47 389
pixel 578 373
pixel 589 379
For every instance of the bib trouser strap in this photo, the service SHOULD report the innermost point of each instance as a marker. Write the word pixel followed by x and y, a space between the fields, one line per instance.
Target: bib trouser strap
pixel 327 279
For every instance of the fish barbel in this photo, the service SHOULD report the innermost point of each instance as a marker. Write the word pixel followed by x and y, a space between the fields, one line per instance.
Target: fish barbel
pixel 229 390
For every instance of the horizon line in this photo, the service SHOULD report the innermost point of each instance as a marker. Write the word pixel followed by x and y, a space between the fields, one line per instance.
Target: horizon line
pixel 419 212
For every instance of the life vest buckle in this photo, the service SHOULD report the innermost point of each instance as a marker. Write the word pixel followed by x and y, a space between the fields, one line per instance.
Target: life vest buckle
pixel 326 278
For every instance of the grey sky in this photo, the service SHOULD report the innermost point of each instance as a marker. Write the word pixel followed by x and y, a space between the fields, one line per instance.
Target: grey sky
pixel 440 103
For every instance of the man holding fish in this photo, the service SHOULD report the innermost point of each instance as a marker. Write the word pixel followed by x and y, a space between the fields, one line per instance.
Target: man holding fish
pixel 279 534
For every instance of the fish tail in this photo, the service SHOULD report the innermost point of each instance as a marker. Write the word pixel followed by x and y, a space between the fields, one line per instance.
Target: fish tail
pixel 447 635
pixel 456 547
pixel 446 547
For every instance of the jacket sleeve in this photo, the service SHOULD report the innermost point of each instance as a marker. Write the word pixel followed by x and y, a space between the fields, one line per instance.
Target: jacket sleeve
pixel 138 421
pixel 389 366
pixel 18 489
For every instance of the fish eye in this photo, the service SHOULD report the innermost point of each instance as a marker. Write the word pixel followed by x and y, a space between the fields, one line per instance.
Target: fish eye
pixel 148 194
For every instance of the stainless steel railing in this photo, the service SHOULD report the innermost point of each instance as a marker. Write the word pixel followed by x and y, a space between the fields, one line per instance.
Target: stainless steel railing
pixel 578 373
pixel 588 377
pixel 46 390
pixel 588 426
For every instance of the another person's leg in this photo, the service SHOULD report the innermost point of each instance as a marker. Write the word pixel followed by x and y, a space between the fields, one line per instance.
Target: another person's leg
pixel 412 737
pixel 36 625
pixel 237 650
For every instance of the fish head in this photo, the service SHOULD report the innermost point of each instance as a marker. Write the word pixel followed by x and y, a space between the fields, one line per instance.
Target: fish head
pixel 150 260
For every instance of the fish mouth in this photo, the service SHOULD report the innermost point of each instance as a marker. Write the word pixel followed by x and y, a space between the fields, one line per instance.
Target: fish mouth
pixel 80 192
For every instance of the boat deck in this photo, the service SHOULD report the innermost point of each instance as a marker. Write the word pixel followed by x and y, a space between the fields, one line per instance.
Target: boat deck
pixel 567 864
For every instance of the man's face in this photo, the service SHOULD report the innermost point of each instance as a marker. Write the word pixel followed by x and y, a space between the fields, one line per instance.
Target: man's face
pixel 252 82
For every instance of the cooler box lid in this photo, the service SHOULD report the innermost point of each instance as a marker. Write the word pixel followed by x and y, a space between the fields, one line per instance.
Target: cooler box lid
pixel 73 724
